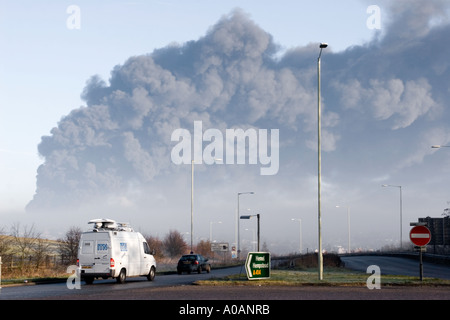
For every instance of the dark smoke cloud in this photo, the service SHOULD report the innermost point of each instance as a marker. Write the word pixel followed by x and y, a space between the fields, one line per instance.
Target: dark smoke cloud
pixel 232 77
pixel 404 75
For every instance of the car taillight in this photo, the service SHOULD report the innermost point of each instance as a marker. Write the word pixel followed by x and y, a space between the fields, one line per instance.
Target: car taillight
pixel 195 262
pixel 112 263
pixel 78 262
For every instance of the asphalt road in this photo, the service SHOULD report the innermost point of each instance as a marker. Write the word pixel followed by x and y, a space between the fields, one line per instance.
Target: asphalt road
pixel 178 287
pixel 397 266
pixel 108 287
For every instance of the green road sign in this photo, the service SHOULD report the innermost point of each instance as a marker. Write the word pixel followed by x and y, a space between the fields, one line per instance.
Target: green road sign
pixel 257 265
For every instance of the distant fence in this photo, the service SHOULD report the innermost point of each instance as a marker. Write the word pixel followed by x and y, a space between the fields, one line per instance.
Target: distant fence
pixel 14 262
pixel 32 257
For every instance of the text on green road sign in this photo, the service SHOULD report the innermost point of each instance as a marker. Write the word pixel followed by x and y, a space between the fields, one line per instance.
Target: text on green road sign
pixel 257 265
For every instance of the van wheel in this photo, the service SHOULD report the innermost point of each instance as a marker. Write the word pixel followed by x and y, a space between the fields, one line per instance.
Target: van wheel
pixel 122 276
pixel 151 274
pixel 89 280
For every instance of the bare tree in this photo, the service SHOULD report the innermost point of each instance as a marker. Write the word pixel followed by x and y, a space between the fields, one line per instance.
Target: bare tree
pixel 5 246
pixel 174 244
pixel 68 247
pixel 155 244
pixel 204 248
pixel 40 251
pixel 24 242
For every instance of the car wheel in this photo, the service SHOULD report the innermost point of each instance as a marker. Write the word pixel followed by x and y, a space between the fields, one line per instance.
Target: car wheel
pixel 199 270
pixel 122 276
pixel 208 268
pixel 151 274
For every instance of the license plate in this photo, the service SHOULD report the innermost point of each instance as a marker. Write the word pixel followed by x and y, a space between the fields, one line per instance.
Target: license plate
pixel 86 267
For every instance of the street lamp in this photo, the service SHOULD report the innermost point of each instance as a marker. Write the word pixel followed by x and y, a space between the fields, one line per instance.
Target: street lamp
pixel 348 224
pixel 439 146
pixel 401 209
pixel 192 205
pixel 319 164
pixel 249 217
pixel 238 240
pixel 300 235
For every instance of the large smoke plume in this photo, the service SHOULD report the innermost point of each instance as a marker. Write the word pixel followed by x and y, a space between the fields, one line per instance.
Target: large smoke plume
pixel 234 76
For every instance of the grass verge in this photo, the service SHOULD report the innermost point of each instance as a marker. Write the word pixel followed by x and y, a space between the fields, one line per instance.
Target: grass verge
pixel 331 277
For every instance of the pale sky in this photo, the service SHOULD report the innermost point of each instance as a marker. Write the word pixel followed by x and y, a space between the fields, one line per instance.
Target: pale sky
pixel 45 66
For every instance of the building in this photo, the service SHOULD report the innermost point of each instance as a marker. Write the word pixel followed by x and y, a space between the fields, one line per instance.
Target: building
pixel 440 234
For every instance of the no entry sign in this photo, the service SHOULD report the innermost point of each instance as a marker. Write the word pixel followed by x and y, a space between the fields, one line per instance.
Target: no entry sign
pixel 420 236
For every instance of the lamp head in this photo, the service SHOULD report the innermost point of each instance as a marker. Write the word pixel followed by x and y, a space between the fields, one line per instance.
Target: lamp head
pixel 323 45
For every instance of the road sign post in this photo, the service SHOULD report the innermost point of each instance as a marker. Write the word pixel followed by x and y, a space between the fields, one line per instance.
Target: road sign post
pixel 219 247
pixel 420 236
pixel 257 265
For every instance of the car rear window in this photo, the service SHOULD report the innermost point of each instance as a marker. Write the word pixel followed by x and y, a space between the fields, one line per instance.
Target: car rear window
pixel 188 258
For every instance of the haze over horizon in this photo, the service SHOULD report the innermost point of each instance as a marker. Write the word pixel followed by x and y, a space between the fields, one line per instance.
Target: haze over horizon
pixel 385 103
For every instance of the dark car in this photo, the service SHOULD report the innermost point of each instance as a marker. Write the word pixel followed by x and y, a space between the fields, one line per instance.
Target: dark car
pixel 193 262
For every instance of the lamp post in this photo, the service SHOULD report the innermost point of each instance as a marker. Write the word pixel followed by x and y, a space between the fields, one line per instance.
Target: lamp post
pixel 192 205
pixel 348 224
pixel 319 164
pixel 249 217
pixel 401 209
pixel 238 240
pixel 300 235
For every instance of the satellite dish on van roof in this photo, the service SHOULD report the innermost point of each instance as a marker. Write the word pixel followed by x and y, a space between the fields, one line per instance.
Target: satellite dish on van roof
pixel 103 223
pixel 100 220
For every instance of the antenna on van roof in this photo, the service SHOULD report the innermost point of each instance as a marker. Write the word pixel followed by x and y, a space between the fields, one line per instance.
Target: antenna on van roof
pixel 124 226
pixel 110 225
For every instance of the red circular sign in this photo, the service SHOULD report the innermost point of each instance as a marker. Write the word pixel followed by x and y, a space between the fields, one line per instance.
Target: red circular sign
pixel 420 236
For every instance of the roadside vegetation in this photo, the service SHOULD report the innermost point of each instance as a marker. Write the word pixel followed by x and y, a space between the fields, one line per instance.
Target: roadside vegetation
pixel 26 256
pixel 331 277
pixel 302 271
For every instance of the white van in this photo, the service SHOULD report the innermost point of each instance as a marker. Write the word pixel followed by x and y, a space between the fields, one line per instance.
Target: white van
pixel 114 250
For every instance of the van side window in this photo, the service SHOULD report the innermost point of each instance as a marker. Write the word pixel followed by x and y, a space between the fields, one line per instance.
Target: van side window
pixel 146 248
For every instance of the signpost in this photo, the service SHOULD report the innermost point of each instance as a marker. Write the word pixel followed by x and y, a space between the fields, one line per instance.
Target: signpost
pixel 233 252
pixel 220 247
pixel 420 236
pixel 257 265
